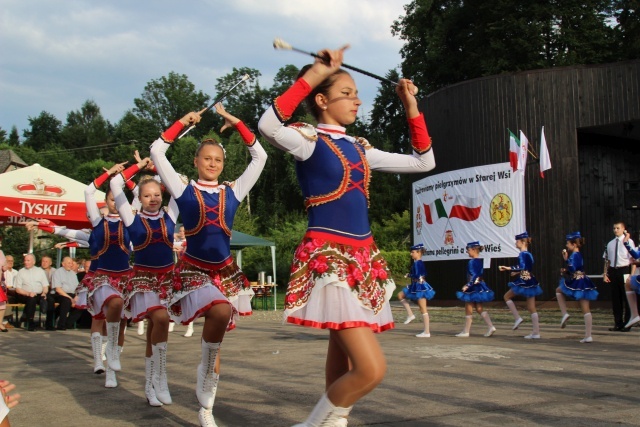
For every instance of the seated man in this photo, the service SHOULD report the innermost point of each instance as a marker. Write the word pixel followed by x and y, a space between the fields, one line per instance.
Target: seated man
pixel 31 286
pixel 65 282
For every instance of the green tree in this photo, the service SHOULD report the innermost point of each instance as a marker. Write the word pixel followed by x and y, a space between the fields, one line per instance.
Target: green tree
pixel 86 132
pixel 14 138
pixel 627 13
pixel 44 130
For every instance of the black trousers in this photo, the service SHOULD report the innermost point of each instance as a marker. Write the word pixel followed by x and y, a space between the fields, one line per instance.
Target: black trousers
pixel 67 315
pixel 619 303
pixel 29 305
pixel 51 310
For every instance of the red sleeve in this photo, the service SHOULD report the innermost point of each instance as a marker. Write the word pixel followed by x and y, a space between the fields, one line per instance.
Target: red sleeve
pixel 130 172
pixel 247 136
pixel 71 245
pixel 101 179
pixel 47 228
pixel 130 185
pixel 286 104
pixel 172 133
pixel 420 139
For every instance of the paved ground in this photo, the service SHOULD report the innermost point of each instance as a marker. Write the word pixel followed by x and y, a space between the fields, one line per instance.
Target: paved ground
pixel 273 374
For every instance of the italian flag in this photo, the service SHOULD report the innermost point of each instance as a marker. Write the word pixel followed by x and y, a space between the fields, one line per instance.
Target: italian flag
pixel 434 211
pixel 514 151
pixel 466 208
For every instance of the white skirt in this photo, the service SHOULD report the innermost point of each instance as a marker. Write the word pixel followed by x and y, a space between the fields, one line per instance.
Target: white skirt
pixel 98 307
pixel 141 304
pixel 82 300
pixel 331 306
pixel 198 301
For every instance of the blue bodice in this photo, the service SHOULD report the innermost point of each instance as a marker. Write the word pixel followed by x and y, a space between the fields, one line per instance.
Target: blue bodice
pixel 475 269
pixel 575 262
pixel 152 240
pixel 417 270
pixel 113 243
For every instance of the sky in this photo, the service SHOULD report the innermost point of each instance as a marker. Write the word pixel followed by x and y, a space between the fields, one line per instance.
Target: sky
pixel 55 55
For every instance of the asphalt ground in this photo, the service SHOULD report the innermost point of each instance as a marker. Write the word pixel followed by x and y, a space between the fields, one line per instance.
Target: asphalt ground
pixel 273 374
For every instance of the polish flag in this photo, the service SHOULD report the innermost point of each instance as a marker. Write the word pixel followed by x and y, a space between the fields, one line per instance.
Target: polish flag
pixel 466 208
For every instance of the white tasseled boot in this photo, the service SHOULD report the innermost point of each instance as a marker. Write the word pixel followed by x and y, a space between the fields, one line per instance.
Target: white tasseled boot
pixel 96 346
pixel 159 378
pixel 206 418
pixel 113 353
pixel 148 387
pixel 325 414
pixel 207 382
pixel 141 327
pixel 103 348
pixel 189 330
pixel 110 380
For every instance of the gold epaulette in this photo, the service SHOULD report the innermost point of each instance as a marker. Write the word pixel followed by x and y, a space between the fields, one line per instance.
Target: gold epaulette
pixel 306 130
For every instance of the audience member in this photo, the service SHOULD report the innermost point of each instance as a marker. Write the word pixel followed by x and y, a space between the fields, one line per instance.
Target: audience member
pixel 45 264
pixel 31 286
pixel 65 282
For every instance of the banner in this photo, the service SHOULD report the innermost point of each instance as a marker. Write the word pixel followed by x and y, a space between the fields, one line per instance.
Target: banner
pixel 484 203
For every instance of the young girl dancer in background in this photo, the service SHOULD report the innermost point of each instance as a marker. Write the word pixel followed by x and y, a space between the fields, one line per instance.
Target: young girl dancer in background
pixel 151 232
pixel 206 276
pixel 475 292
pixel 576 285
pixel 632 286
pixel 105 299
pixel 339 280
pixel 525 285
pixel 419 290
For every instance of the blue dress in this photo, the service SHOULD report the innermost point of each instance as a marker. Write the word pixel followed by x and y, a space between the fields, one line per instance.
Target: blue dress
pixel 526 284
pixel 476 291
pixel 577 285
pixel 418 288
pixel 635 280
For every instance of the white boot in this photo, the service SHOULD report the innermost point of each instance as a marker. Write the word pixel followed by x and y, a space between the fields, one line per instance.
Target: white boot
pixel 207 382
pixel 113 353
pixel 110 380
pixel 325 414
pixel 148 387
pixel 159 378
pixel 189 330
pixel 141 327
pixel 171 326
pixel 103 348
pixel 96 346
pixel 206 418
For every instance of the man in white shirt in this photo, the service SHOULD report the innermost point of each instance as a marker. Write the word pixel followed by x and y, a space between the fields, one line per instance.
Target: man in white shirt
pixel 65 282
pixel 31 286
pixel 617 263
pixel 8 272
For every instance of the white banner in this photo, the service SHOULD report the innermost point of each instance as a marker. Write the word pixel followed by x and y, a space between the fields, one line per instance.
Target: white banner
pixel 484 203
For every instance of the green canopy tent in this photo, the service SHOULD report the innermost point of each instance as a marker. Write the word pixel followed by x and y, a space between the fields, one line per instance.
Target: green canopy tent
pixel 240 241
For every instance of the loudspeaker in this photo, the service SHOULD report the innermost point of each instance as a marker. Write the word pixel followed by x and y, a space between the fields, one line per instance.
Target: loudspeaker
pixel 632 195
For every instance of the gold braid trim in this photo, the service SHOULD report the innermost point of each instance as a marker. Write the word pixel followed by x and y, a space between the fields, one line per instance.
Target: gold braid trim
pixel 163 228
pixel 203 216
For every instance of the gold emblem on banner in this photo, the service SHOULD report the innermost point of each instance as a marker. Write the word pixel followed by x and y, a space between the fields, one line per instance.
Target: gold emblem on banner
pixel 501 209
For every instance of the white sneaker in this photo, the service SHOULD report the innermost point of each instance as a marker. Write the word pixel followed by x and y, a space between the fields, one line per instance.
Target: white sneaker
pixel 409 319
pixel 141 327
pixel 423 335
pixel 532 337
pixel 206 418
pixel 189 330
pixel 490 332
pixel 563 322
pixel 632 322
pixel 463 334
pixel 586 340
pixel 515 325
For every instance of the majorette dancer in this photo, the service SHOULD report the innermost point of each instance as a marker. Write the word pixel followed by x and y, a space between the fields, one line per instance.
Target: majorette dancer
pixel 576 284
pixel 206 276
pixel 632 286
pixel 475 292
pixel 418 290
pixel 145 296
pixel 339 280
pixel 104 298
pixel 525 285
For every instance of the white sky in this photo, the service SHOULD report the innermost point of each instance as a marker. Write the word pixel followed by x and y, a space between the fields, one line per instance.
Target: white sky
pixel 54 55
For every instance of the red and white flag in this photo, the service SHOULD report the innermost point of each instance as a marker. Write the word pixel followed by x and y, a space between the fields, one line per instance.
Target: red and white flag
pixel 466 208
pixel 524 149
pixel 545 160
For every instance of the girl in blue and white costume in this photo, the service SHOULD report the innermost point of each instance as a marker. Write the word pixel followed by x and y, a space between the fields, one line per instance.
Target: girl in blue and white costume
pixel 576 284
pixel 206 276
pixel 339 280
pixel 525 285
pixel 632 285
pixel 419 290
pixel 475 292
pixel 145 295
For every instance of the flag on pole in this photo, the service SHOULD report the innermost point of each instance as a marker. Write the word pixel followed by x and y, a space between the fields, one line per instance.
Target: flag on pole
pixel 524 148
pixel 466 208
pixel 434 211
pixel 545 160
pixel 514 150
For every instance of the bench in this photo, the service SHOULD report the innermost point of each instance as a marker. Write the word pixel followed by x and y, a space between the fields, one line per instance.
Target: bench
pixel 14 311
